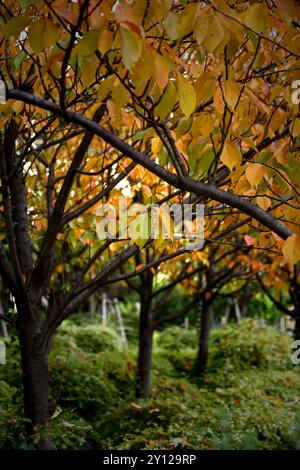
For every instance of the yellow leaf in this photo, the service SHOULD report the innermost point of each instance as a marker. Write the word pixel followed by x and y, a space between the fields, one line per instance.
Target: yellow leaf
pixel 291 248
pixel 167 101
pixel 187 95
pixel 255 173
pixel 106 86
pixel 131 47
pixel 215 34
pixel 256 17
pixel 171 25
pixel 296 128
pixel 120 94
pixel 88 69
pixel 232 92
pixel 126 16
pixel 100 15
pixel 50 33
pixel 218 100
pixel 105 41
pixel 161 8
pixel 161 71
pixel 162 224
pixel 231 156
pixel 88 44
pixel 288 9
pixel 156 144
pixel 35 34
pixel 206 124
pixel 139 229
pixel 205 86
pixel 264 202
pixel 201 27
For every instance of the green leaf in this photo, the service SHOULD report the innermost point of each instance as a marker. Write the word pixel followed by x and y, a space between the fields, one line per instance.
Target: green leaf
pixel 140 229
pixel 167 101
pixel 25 3
pixel 199 164
pixel 163 156
pixel 15 26
pixel 88 44
pixel 131 47
pixel 141 134
pixel 187 95
pixel 19 59
pixel 50 33
pixel 35 35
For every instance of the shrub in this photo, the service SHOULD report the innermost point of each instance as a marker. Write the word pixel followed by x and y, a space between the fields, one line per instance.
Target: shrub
pixel 252 343
pixel 92 338
pixel 176 338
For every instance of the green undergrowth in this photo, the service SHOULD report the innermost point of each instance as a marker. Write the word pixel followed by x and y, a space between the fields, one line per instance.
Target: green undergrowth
pixel 248 398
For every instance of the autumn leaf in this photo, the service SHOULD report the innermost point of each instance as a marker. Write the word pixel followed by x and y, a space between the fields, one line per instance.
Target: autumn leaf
pixel 231 156
pixel 139 229
pixel 249 240
pixel 256 17
pixel 291 248
pixel 88 44
pixel 232 92
pixel 215 34
pixel 289 9
pixel 187 95
pixel 255 173
pixel 131 47
pixel 15 26
pixel 105 41
pixel 156 145
pixel 35 34
pixel 264 202
pixel 161 71
pixel 200 28
pixel 51 33
pixel 167 101
pixel 171 25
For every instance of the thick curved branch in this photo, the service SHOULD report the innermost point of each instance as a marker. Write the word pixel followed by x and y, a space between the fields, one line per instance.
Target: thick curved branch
pixel 187 183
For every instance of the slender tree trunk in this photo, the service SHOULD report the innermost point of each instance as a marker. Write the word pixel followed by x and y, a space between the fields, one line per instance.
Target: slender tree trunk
pixel 35 382
pixel 3 329
pixel 205 326
pixel 244 301
pixel 297 325
pixel 145 351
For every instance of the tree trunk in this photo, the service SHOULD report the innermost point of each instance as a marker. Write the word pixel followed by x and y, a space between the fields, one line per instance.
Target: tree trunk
pixel 3 329
pixel 35 382
pixel 202 355
pixel 244 300
pixel 297 325
pixel 145 352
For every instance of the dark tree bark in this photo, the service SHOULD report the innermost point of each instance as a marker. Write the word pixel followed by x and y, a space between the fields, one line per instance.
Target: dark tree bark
pixel 34 359
pixel 3 329
pixel 244 300
pixel 297 322
pixel 145 351
pixel 205 326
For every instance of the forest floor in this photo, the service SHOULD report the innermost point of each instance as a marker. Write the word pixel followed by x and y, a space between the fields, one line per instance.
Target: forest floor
pixel 248 398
